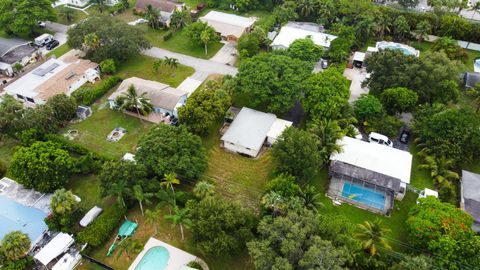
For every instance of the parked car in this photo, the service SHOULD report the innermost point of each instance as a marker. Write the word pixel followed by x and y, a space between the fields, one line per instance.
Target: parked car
pixel 404 135
pixel 374 137
pixel 54 43
pixel 43 40
pixel 324 63
pixel 41 24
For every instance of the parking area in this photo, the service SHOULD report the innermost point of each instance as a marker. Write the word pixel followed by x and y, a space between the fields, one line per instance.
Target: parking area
pixel 356 76
pixel 226 55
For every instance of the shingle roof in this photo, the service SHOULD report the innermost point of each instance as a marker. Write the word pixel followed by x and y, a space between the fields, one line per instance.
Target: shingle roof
pixel 162 5
pixel 228 24
pixel 471 193
pixel 250 128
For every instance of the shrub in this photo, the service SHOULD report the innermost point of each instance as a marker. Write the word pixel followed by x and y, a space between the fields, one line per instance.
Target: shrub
pixel 168 36
pixel 386 125
pixel 107 66
pixel 88 95
pixel 195 265
pixel 3 169
pixel 101 229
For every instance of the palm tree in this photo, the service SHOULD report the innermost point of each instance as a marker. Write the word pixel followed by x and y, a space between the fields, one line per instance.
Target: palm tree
pixel 440 168
pixel 66 13
pixel 327 132
pixel 306 8
pixel 311 198
pixel 141 196
pixel 91 41
pixel 203 189
pixel 156 65
pixel 384 23
pixel 168 182
pixel 366 28
pixel 180 19
pixel 205 38
pixel 15 245
pixel 179 217
pixel 129 246
pixel 131 100
pixel 100 4
pixel 274 202
pixel 166 197
pixel 172 63
pixel 423 29
pixel 152 15
pixel 120 189
pixel 151 217
pixel 372 234
pixel 475 8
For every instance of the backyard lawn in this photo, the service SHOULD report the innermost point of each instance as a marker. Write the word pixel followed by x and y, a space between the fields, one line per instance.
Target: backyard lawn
pixel 180 43
pixel 141 66
pixel 92 132
pixel 77 16
pixel 59 51
pixel 6 150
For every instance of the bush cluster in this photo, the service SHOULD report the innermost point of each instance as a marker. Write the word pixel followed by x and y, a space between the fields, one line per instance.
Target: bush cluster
pixel 101 229
pixel 168 36
pixel 88 95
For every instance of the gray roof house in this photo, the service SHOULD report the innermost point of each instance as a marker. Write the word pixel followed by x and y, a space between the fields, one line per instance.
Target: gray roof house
pixel 14 50
pixel 471 79
pixel 249 131
pixel 470 197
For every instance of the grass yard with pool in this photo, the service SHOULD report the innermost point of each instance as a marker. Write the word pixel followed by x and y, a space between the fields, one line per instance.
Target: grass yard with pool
pixel 92 132
pixel 142 66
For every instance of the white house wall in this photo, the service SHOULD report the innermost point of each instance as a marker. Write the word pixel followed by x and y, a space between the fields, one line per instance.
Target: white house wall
pixel 240 149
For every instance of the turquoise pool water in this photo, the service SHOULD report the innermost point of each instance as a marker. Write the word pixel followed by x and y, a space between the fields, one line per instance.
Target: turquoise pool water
pixel 397 47
pixel 18 217
pixel 156 258
pixel 363 195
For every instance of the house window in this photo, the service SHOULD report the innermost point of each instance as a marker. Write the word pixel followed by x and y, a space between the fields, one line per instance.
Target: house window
pixel 30 100
pixel 20 97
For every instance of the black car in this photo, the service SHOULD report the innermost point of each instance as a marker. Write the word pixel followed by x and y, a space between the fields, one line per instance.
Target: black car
pixel 54 43
pixel 404 136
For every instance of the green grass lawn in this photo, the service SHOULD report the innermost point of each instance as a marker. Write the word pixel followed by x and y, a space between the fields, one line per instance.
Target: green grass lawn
pixel 87 187
pixel 126 15
pixel 94 130
pixel 77 16
pixel 59 51
pixel 6 150
pixel 141 66
pixel 180 43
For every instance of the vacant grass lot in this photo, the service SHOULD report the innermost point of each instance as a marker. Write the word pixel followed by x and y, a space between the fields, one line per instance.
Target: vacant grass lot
pixel 141 66
pixel 180 43
pixel 59 51
pixel 94 130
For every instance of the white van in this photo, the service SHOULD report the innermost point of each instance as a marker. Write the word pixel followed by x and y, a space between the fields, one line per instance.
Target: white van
pixel 43 40
pixel 380 139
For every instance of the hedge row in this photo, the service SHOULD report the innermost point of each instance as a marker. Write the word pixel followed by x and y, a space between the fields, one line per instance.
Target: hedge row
pixel 88 95
pixel 102 228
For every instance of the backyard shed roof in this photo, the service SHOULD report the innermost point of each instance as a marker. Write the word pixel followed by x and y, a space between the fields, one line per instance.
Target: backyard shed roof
pixel 59 244
pixel 278 127
pixel 359 56
pixel 228 24
pixel 250 128
pixel 471 193
pixel 293 31
pixel 375 157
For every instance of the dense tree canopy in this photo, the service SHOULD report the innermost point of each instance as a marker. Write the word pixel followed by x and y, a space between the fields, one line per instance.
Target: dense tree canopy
pixel 63 108
pixel 272 79
pixel 218 226
pixel 15 245
pixel 42 166
pixel 21 17
pixel 204 107
pixel 367 107
pixel 165 149
pixel 398 100
pixel 326 94
pixel 305 50
pixel 104 37
pixel 434 77
pixel 296 153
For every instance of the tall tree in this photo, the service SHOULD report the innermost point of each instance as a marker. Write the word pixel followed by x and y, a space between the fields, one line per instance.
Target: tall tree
pixel 208 35
pixel 201 33
pixel 152 15
pixel 398 100
pixel 63 108
pixel 306 50
pixel 141 196
pixel 63 202
pixel 372 235
pixel 117 39
pixel 15 245
pixel 168 181
pixel 440 168
pixel 422 30
pixel 180 19
pixel 180 218
pixel 272 80
pixel 152 217
pixel 21 17
pixel 204 189
pixel 327 133
pixel 131 100
pixel 401 27
pixel 129 246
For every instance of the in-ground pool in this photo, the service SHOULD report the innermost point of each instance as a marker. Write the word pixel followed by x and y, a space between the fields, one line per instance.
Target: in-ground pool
pixel 396 46
pixel 363 195
pixel 156 258
pixel 18 217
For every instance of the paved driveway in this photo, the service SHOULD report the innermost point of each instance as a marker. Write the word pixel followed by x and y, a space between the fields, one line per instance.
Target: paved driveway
pixel 226 55
pixel 203 67
pixel 357 76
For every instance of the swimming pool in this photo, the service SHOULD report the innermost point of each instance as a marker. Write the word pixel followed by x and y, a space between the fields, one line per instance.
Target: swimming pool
pixel 363 195
pixel 156 258
pixel 18 217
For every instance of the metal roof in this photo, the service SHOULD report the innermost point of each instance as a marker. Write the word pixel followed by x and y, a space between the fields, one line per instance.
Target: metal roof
pixel 7 44
pixel 293 31
pixel 250 128
pixel 471 193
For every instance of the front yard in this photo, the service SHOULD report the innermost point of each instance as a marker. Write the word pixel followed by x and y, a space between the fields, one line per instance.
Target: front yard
pixel 59 51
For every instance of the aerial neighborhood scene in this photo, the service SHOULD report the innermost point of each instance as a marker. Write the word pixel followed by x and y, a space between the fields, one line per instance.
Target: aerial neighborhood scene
pixel 239 134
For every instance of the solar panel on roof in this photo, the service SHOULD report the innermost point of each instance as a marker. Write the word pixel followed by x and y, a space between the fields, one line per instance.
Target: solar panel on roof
pixel 43 71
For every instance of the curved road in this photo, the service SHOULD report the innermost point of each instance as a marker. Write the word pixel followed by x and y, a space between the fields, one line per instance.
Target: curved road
pixel 203 68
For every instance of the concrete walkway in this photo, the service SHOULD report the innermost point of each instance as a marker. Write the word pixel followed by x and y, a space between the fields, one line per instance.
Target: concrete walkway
pixel 203 68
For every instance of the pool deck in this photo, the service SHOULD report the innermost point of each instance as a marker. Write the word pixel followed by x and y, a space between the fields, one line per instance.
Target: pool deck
pixel 28 197
pixel 177 257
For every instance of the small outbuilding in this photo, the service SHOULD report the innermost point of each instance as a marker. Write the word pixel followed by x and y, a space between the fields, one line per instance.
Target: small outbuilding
pixel 471 79
pixel 470 197
pixel 83 112
pixel 56 247
pixel 300 30
pixel 250 129
pixel 230 26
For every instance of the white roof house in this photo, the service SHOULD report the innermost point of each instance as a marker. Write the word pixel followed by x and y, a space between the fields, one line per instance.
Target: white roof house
pixel 248 131
pixel 55 76
pixel 230 26
pixel 375 157
pixel 293 31
pixel 58 245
